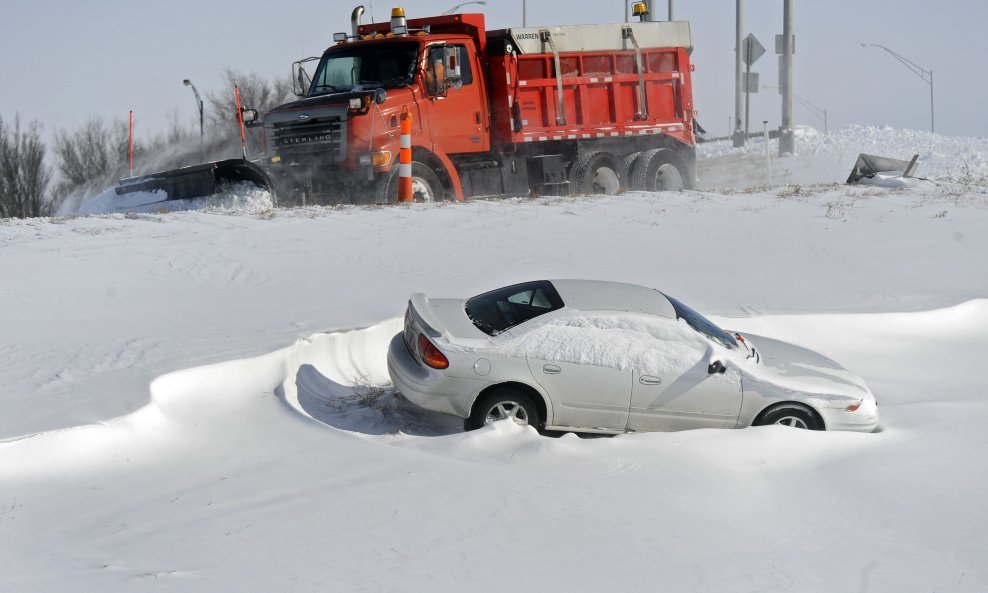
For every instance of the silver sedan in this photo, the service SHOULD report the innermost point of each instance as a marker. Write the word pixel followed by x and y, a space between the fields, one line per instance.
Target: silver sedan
pixel 605 357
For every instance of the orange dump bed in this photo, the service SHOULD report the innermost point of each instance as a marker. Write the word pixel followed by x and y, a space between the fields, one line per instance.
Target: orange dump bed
pixel 600 96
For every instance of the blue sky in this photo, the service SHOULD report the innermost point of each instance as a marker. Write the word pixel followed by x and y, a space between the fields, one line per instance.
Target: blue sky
pixel 62 62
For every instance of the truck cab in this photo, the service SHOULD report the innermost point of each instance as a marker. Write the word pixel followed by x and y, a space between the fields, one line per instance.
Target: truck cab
pixel 347 122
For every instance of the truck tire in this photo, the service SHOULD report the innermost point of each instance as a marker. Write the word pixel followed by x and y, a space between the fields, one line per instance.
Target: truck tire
pixel 426 186
pixel 596 173
pixel 628 164
pixel 659 169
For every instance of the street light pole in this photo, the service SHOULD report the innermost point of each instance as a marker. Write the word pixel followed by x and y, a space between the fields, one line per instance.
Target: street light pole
pixel 202 136
pixel 926 75
pixel 462 4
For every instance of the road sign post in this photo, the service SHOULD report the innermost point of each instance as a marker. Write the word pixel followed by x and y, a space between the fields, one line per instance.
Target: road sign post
pixel 752 51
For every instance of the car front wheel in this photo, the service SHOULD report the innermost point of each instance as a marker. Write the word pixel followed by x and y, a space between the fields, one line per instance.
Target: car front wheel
pixel 793 415
pixel 503 404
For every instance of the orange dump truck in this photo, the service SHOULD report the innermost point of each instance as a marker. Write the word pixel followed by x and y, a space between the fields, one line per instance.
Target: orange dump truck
pixel 572 109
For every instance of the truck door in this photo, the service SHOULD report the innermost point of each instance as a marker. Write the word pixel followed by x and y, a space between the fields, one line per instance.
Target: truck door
pixel 458 116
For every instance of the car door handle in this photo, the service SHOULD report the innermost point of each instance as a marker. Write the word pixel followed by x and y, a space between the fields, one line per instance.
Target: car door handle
pixel 551 369
pixel 649 380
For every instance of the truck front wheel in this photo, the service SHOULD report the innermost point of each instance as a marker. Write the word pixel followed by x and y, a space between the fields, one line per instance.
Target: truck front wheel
pixel 426 186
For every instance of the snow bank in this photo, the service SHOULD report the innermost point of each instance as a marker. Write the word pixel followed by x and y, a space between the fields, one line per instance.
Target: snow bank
pixel 163 427
pixel 829 158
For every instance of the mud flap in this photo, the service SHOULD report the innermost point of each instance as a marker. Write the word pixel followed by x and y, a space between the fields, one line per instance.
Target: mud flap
pixel 197 181
pixel 868 165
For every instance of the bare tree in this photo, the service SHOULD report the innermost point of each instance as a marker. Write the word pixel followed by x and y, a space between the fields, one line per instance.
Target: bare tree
pixel 256 92
pixel 24 176
pixel 94 151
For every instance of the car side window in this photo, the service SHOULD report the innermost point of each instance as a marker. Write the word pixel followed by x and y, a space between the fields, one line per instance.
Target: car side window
pixel 498 310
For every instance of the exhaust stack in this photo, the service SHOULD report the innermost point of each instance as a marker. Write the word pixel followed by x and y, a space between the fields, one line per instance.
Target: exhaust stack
pixel 355 20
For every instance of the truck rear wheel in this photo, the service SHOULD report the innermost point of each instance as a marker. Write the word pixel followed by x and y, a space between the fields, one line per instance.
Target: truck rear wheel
pixel 628 164
pixel 426 186
pixel 596 173
pixel 659 170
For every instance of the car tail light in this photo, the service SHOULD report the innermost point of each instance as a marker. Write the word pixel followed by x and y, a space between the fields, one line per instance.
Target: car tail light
pixel 853 407
pixel 431 355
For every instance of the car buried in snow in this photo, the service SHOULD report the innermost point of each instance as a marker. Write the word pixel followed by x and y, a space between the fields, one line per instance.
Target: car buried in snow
pixel 604 357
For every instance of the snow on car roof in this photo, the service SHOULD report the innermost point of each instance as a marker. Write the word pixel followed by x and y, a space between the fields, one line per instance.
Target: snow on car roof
pixel 599 295
pixel 623 341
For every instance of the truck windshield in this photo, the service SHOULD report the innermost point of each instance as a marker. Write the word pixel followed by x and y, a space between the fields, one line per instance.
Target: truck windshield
pixel 370 66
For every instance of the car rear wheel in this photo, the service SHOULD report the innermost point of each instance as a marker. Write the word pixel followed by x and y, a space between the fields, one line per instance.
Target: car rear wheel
pixel 792 415
pixel 503 404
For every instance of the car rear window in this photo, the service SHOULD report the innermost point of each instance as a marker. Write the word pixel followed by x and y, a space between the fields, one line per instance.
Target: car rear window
pixel 497 310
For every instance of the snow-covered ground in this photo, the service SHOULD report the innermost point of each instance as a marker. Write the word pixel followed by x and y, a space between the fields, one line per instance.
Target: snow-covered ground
pixel 198 401
pixel 829 158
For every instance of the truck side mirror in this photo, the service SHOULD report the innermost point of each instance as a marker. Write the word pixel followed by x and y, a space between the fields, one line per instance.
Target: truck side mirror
pixel 380 95
pixel 301 81
pixel 716 367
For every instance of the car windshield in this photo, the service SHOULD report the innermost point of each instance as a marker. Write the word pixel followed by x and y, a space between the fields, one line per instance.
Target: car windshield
pixel 702 324
pixel 501 309
pixel 371 66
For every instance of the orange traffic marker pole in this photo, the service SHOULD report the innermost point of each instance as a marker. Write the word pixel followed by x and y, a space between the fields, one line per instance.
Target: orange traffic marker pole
pixel 240 120
pixel 405 158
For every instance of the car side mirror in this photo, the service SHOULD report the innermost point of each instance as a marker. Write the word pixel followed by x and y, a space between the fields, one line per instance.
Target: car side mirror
pixel 716 367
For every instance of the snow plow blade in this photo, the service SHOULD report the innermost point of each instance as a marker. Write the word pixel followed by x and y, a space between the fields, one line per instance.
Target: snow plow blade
pixel 197 181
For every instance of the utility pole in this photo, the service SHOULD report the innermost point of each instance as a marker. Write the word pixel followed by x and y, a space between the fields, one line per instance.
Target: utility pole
pixel 738 74
pixel 787 143
pixel 670 10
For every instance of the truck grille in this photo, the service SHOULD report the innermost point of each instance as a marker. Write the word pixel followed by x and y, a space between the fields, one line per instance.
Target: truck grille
pixel 318 136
